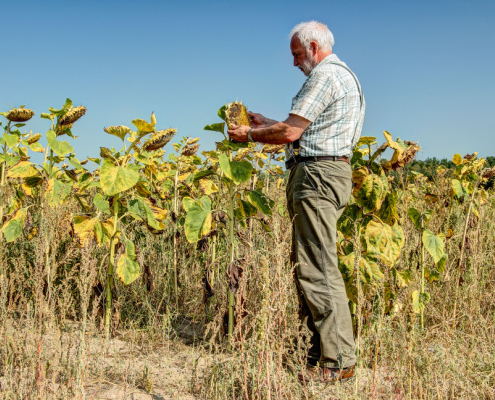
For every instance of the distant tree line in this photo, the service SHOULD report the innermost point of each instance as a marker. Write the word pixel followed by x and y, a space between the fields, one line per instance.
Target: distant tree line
pixel 429 166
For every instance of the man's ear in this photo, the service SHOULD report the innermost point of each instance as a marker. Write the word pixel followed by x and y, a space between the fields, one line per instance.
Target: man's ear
pixel 313 48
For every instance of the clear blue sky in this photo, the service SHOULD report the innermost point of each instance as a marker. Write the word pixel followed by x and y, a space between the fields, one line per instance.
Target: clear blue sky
pixel 426 67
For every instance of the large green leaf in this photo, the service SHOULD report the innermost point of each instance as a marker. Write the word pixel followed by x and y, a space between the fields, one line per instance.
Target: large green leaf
pixel 198 219
pixel 11 139
pixel 12 229
pixel 60 148
pixel 220 127
pixel 236 171
pixel 260 201
pixel 127 266
pixel 434 244
pixel 116 179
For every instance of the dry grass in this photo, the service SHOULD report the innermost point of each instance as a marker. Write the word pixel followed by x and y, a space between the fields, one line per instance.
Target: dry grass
pixel 52 345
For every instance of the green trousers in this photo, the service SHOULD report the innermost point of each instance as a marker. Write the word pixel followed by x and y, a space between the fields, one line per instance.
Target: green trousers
pixel 316 196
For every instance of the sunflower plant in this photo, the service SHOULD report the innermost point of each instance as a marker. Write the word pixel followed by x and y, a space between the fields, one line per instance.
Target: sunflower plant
pixel 124 196
pixel 233 172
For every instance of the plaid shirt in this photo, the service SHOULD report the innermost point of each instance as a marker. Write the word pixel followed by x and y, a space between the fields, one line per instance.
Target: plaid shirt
pixel 332 99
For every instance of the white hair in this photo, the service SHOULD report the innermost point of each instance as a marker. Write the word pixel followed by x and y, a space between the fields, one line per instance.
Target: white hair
pixel 308 32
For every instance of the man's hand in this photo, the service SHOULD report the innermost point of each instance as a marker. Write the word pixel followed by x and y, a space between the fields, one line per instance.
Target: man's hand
pixel 239 133
pixel 260 121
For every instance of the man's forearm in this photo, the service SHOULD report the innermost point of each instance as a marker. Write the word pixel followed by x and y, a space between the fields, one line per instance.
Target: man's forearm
pixel 276 133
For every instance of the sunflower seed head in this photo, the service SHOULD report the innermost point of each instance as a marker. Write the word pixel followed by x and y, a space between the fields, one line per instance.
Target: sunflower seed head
pixel 106 153
pixel 190 150
pixel 72 116
pixel 159 139
pixel 236 114
pixel 34 138
pixel 20 114
pixel 241 154
pixel 272 148
pixel 62 130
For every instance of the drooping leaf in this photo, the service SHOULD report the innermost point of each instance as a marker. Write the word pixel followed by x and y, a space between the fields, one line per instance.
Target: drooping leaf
pixel 37 147
pixel 369 190
pixel 207 187
pixel 383 242
pixel 419 301
pixel 12 229
pixel 116 178
pixel 143 126
pixel 23 169
pixel 260 201
pixel 127 266
pixel 101 203
pixel 402 278
pixel 415 217
pixel 388 211
pixel 221 111
pixel 103 231
pixel 459 190
pixel 198 220
pixel 219 127
pixel 84 229
pixel 139 207
pixel 434 244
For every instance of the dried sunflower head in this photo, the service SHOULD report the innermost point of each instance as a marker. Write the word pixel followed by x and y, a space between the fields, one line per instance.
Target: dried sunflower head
pixel 34 138
pixel 20 114
pixel 236 114
pixel 272 148
pixel 159 139
pixel 106 153
pixel 62 130
pixel 241 154
pixel 190 150
pixel 72 116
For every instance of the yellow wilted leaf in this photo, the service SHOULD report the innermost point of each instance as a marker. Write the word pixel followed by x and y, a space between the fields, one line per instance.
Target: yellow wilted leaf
pixel 207 186
pixel 22 170
pixel 84 229
pixel 183 177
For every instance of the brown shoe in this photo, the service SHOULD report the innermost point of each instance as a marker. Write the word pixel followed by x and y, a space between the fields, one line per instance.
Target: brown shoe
pixel 326 375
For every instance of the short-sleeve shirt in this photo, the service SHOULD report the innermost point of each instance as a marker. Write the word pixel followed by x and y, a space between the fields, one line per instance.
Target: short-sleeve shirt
pixel 332 99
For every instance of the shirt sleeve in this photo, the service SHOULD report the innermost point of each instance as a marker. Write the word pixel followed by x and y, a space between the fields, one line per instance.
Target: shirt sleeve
pixel 314 97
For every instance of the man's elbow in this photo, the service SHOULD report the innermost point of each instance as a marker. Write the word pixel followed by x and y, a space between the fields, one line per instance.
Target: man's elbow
pixel 293 133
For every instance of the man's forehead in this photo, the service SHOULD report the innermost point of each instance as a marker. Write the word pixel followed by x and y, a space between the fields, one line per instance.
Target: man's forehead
pixel 295 43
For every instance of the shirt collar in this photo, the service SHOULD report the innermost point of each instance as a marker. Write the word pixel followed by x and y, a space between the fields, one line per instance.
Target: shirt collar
pixel 327 60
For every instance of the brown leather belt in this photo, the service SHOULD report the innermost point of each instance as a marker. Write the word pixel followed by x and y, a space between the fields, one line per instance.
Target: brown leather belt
pixel 297 159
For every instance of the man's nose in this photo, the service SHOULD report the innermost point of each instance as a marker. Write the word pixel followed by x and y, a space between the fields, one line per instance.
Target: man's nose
pixel 295 62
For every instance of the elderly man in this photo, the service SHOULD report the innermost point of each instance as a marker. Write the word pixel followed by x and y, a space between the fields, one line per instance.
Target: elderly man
pixel 323 126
